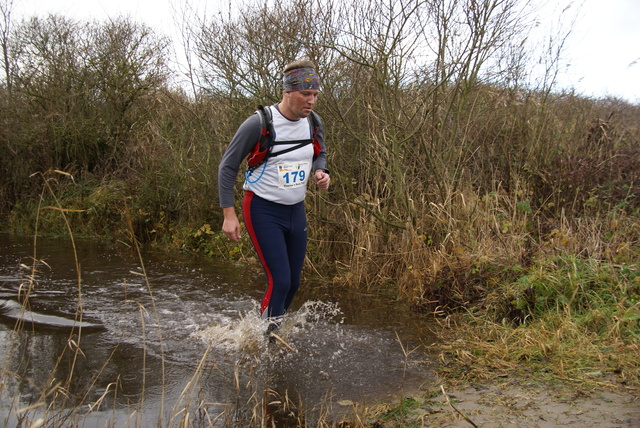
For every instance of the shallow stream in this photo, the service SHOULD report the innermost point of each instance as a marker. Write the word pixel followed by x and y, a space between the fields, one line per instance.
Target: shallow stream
pixel 176 336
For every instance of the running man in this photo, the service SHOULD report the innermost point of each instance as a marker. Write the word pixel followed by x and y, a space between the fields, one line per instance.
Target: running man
pixel 274 191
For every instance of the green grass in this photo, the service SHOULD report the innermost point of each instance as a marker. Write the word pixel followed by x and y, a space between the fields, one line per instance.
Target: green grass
pixel 565 318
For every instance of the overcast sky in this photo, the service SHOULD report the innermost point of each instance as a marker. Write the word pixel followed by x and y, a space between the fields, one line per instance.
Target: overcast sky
pixel 602 56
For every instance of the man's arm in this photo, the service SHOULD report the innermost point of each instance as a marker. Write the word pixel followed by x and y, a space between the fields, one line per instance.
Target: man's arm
pixel 240 146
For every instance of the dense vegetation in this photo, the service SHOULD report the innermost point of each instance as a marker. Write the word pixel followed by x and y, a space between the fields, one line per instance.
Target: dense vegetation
pixel 461 182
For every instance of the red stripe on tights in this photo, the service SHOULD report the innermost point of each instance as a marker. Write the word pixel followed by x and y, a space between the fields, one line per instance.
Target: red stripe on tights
pixel 246 210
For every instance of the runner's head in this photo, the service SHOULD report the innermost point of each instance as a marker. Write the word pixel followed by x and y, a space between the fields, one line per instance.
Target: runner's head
pixel 301 86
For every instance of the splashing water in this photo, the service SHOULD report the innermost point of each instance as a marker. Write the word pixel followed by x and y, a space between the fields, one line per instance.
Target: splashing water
pixel 247 333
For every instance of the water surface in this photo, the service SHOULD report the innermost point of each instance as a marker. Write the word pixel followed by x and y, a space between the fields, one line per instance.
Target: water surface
pixel 176 335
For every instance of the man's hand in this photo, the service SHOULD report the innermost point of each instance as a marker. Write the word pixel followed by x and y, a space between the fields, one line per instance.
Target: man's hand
pixel 231 225
pixel 322 179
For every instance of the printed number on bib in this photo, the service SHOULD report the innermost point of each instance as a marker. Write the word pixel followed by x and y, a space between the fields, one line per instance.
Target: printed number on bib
pixel 291 175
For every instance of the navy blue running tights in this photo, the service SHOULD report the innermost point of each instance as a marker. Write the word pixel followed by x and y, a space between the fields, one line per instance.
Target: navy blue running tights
pixel 279 235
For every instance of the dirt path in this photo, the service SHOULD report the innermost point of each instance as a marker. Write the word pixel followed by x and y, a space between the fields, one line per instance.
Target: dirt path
pixel 507 405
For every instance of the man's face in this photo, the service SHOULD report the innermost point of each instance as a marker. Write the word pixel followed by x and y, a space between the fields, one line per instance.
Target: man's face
pixel 301 102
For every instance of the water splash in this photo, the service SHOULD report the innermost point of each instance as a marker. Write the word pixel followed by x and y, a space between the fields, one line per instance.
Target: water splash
pixel 316 312
pixel 246 332
pixel 243 333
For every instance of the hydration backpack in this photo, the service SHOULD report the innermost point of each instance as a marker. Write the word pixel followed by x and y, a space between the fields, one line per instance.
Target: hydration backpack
pixel 262 150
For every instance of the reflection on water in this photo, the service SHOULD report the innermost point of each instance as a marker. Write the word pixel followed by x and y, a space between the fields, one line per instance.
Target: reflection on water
pixel 196 349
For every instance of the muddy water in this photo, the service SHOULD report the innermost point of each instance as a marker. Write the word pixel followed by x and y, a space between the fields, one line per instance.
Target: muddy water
pixel 186 340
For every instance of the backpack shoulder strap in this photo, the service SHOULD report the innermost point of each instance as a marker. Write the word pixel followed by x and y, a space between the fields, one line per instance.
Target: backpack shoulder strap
pixel 261 149
pixel 314 123
pixel 266 127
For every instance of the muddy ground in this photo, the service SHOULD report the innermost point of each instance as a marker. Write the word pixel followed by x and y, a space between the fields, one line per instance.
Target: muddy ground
pixel 509 405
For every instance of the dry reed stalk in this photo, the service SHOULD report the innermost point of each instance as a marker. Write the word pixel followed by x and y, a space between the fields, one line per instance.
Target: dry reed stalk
pixel 153 303
pixel 143 311
pixel 74 342
pixel 281 340
pixel 184 400
pixel 446 396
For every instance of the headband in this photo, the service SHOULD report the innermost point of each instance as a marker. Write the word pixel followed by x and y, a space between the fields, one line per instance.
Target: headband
pixel 300 79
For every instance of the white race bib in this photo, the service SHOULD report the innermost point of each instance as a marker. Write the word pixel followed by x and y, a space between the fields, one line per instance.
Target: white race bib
pixel 292 175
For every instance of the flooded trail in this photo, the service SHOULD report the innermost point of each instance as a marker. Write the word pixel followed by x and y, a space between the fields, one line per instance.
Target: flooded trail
pixel 187 340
